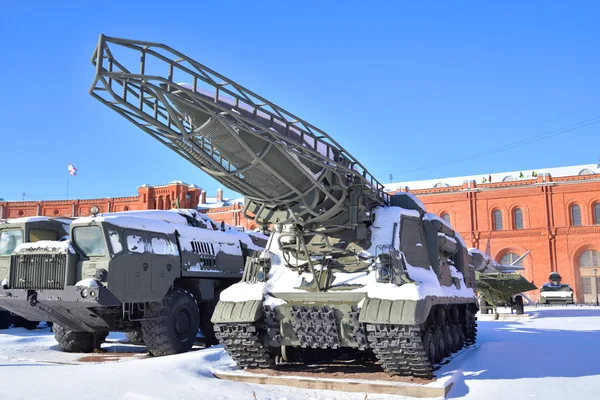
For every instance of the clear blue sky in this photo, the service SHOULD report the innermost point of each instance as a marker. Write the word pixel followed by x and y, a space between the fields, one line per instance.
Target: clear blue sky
pixel 401 85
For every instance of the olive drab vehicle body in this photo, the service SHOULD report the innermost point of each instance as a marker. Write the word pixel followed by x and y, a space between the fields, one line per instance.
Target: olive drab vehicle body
pixel 14 232
pixel 499 284
pixel 117 270
pixel 348 265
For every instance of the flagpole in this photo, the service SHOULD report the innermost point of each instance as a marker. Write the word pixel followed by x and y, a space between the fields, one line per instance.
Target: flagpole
pixel 68 186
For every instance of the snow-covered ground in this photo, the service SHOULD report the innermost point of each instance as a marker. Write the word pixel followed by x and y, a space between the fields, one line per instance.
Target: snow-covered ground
pixel 552 353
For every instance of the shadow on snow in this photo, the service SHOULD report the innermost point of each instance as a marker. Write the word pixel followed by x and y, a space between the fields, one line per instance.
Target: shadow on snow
pixel 516 350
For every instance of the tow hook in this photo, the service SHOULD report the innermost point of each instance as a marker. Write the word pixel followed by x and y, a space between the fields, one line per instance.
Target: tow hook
pixel 32 298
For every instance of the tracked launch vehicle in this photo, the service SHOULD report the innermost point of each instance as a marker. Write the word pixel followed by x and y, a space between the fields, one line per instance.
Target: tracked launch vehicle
pixel 347 268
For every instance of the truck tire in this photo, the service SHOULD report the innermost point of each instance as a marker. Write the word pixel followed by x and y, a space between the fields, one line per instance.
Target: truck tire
pixel 172 325
pixel 135 337
pixel 20 322
pixel 5 319
pixel 519 307
pixel 77 342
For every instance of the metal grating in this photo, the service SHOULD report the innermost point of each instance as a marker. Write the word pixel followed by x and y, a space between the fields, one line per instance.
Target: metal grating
pixel 38 271
pixel 275 159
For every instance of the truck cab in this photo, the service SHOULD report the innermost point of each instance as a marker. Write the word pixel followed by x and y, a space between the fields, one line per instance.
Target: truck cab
pixel 14 232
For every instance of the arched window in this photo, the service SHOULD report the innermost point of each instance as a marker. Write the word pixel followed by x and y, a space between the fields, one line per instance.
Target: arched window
pixel 586 171
pixel 597 214
pixel 510 258
pixel 518 216
pixel 589 264
pixel 446 217
pixel 440 184
pixel 509 178
pixel 575 215
pixel 497 220
pixel 589 258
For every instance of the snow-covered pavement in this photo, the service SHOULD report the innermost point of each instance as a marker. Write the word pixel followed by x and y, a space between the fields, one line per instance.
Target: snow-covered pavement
pixel 553 354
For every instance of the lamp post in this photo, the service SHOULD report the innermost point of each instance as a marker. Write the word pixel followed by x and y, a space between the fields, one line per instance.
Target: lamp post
pixel 596 285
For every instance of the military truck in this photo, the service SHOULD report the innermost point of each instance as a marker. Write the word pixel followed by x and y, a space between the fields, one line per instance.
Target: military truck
pixel 348 268
pixel 13 232
pixel 556 292
pixel 499 284
pixel 153 274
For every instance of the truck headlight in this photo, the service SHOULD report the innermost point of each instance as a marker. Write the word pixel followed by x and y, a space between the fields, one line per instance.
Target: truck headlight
pixel 84 293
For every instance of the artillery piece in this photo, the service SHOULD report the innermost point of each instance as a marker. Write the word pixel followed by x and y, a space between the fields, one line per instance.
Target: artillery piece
pixel 348 266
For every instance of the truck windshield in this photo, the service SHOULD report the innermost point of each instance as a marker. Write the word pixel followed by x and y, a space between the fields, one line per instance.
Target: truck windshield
pixel 9 240
pixel 89 240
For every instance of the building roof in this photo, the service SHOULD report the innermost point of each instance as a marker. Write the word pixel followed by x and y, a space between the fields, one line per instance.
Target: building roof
pixel 573 170
pixel 211 202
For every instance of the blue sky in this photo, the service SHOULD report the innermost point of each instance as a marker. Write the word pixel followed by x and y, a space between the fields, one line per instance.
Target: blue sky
pixel 403 86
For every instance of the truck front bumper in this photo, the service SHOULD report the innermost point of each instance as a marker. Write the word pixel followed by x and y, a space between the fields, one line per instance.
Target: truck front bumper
pixel 66 307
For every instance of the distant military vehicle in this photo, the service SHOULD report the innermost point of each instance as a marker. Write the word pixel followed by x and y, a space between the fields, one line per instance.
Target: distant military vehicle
pixel 348 265
pixel 499 284
pixel 13 232
pixel 153 274
pixel 556 292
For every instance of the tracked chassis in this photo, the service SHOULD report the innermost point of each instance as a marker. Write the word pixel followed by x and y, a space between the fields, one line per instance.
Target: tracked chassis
pixel 405 350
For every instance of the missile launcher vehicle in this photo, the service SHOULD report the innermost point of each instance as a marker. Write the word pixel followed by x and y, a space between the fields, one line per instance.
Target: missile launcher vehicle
pixel 153 274
pixel 348 268
pixel 499 284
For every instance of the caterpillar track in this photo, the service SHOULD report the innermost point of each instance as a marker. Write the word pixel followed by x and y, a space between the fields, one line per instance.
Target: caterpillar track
pixel 242 341
pixel 406 350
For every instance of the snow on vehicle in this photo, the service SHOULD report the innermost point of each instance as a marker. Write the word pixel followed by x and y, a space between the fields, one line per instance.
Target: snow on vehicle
pixel 499 284
pixel 14 232
pixel 153 274
pixel 347 267
pixel 556 292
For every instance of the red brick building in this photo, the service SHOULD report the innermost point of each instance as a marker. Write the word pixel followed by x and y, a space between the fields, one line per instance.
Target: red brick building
pixel 554 212
pixel 163 197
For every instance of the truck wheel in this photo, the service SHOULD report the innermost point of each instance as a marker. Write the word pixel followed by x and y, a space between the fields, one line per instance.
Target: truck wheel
pixel 20 322
pixel 6 319
pixel 519 307
pixel 77 342
pixel 135 337
pixel 173 325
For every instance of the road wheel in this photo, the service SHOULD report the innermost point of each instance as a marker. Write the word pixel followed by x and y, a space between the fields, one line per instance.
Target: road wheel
pixel 6 319
pixel 455 338
pixel 20 322
pixel 519 307
pixel 440 344
pixel 77 342
pixel 429 346
pixel 448 340
pixel 135 337
pixel 461 336
pixel 172 325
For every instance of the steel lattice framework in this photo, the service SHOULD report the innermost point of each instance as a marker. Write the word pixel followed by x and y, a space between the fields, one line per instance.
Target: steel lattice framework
pixel 289 170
